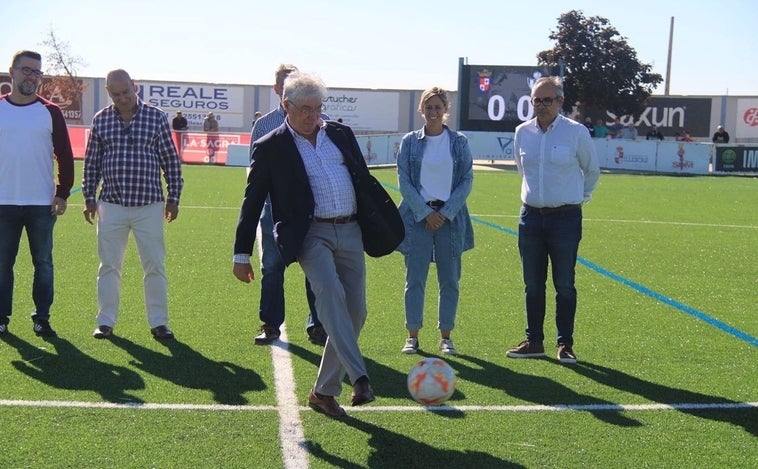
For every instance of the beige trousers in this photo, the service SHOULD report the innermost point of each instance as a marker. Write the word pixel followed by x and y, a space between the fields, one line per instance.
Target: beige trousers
pixel 114 222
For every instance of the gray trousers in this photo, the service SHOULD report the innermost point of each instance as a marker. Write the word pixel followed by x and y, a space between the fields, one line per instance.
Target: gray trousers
pixel 333 260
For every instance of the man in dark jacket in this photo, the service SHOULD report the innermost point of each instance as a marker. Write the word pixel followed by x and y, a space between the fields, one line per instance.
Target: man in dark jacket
pixel 654 134
pixel 309 166
pixel 179 122
pixel 721 135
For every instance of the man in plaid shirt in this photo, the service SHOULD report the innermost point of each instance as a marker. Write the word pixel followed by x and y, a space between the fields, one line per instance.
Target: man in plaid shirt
pixel 129 147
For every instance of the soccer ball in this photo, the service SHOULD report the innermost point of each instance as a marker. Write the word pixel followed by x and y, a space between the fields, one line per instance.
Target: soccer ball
pixel 431 381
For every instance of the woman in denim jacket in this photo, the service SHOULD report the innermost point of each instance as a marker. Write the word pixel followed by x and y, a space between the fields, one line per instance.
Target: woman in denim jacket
pixel 435 175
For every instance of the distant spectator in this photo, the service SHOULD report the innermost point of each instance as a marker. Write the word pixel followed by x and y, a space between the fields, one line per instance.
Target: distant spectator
pixel 686 137
pixel 210 124
pixel 256 116
pixel 629 132
pixel 590 127
pixel 179 122
pixel 616 128
pixel 721 135
pixel 654 133
pixel 601 130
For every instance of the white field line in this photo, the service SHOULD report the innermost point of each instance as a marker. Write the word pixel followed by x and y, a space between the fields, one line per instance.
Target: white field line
pixel 564 408
pixel 291 433
pixel 135 405
pixel 683 406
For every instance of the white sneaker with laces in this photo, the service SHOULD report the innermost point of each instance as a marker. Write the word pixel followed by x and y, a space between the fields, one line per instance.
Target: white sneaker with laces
pixel 411 346
pixel 447 347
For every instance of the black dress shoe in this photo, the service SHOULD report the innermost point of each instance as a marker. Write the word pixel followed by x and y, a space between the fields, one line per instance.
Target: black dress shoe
pixel 268 334
pixel 326 405
pixel 102 332
pixel 362 392
pixel 162 333
pixel 317 335
pixel 42 328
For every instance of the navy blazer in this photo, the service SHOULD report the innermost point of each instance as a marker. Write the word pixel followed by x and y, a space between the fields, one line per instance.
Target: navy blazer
pixel 277 169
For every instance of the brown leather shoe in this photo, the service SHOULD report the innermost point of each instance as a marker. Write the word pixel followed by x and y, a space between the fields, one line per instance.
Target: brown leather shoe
pixel 362 392
pixel 317 335
pixel 162 333
pixel 102 332
pixel 326 405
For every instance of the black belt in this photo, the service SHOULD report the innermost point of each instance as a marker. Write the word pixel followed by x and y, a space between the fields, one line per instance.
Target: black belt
pixel 549 210
pixel 436 203
pixel 337 220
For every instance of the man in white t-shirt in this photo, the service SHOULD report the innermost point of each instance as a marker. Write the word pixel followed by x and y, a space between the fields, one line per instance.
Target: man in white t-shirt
pixel 33 135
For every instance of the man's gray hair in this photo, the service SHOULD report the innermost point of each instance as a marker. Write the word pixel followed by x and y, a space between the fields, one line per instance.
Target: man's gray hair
pixel 555 81
pixel 300 85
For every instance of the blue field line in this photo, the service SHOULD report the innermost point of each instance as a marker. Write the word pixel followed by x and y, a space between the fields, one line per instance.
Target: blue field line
pixel 673 303
pixel 646 291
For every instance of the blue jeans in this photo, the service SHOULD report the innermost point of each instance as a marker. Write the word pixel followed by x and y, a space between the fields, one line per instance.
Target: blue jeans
pixel 426 246
pixel 39 223
pixel 271 310
pixel 556 237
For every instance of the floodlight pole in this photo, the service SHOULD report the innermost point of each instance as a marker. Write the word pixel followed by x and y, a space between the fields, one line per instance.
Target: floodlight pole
pixel 668 62
pixel 462 62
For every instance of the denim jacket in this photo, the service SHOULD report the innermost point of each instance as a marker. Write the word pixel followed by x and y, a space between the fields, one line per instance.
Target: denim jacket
pixel 413 208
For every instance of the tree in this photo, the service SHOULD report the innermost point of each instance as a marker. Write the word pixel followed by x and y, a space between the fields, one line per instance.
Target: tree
pixel 601 71
pixel 62 86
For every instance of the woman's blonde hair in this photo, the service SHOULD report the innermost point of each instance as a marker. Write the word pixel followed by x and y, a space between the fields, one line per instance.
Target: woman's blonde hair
pixel 429 94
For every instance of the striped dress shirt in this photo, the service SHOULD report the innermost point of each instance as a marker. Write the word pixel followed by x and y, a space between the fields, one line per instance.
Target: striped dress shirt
pixel 332 186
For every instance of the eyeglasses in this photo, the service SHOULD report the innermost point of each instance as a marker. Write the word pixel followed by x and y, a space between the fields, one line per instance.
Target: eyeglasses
pixel 543 101
pixel 27 71
pixel 305 110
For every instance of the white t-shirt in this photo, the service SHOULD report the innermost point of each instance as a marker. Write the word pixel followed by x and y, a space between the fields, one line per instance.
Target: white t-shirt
pixel 437 168
pixel 30 136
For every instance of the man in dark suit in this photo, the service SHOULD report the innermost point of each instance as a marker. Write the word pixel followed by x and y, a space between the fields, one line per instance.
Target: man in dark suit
pixel 308 166
pixel 179 122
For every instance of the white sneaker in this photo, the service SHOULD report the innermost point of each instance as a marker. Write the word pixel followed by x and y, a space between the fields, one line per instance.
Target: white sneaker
pixel 447 347
pixel 411 346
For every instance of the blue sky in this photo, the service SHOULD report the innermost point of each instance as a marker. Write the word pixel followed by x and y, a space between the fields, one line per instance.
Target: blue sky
pixel 384 44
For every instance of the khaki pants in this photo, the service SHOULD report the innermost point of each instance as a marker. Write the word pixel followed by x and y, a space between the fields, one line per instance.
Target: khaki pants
pixel 333 260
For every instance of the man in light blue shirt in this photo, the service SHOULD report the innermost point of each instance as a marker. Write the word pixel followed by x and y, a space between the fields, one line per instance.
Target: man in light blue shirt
pixel 629 132
pixel 558 164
